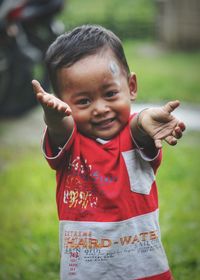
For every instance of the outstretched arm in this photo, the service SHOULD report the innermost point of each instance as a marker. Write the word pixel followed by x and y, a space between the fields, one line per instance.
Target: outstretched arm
pixel 154 125
pixel 57 116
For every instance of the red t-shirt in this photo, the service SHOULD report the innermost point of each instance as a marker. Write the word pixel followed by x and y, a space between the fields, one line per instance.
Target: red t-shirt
pixel 108 209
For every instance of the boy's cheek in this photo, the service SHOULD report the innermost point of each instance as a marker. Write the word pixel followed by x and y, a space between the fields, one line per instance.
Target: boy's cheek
pixel 78 117
pixel 123 106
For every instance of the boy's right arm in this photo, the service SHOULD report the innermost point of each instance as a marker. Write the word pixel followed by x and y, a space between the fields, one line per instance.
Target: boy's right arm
pixel 57 116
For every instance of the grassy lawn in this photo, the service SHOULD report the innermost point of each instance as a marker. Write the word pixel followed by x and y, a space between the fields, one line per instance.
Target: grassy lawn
pixel 29 227
pixel 164 75
pixel 29 230
pixel 179 188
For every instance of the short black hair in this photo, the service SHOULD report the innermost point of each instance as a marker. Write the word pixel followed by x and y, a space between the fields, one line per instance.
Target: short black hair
pixel 82 41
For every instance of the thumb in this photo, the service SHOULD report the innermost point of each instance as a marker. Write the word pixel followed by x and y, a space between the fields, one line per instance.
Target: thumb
pixel 171 106
pixel 37 87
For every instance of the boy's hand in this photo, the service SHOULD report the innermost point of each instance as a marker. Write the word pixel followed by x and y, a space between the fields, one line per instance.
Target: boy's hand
pixel 50 101
pixel 57 116
pixel 160 125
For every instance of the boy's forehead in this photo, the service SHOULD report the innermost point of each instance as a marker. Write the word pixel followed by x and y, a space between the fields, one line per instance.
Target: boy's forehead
pixel 90 64
pixel 114 68
pixel 103 58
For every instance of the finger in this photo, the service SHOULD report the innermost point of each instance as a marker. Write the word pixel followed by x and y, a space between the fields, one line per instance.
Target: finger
pixel 68 112
pixel 64 108
pixel 47 99
pixel 49 102
pixel 178 130
pixel 182 126
pixel 158 143
pixel 37 87
pixel 171 106
pixel 171 140
pixel 177 133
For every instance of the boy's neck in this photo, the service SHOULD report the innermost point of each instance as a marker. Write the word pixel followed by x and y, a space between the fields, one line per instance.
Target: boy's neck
pixel 102 141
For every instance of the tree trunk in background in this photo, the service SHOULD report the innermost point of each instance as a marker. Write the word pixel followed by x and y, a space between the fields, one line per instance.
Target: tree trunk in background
pixel 178 23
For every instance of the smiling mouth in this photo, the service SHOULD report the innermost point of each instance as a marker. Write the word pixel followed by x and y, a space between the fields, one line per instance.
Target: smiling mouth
pixel 104 124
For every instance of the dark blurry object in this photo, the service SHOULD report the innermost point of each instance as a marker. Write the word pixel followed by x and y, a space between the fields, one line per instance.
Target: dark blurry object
pixel 27 27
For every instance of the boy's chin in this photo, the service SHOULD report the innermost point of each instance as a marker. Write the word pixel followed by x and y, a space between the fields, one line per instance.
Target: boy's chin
pixel 102 136
pixel 106 136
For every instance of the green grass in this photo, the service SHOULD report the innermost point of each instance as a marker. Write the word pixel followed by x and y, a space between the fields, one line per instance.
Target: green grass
pixel 164 75
pixel 179 187
pixel 29 237
pixel 29 225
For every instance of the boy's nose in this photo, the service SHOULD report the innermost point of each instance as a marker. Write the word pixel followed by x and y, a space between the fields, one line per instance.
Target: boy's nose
pixel 100 107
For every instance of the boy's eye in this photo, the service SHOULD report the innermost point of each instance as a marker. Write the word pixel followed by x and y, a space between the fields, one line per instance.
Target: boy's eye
pixel 111 94
pixel 83 101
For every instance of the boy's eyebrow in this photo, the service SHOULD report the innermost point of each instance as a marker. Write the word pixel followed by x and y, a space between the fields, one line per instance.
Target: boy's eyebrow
pixel 103 87
pixel 80 93
pixel 110 84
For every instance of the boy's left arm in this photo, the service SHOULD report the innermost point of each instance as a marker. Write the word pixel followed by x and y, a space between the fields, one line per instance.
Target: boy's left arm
pixel 153 125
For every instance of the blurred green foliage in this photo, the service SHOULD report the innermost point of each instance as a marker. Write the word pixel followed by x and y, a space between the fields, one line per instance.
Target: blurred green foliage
pixel 127 18
pixel 162 74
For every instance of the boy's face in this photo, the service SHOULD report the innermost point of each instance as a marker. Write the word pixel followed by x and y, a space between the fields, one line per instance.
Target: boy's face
pixel 99 94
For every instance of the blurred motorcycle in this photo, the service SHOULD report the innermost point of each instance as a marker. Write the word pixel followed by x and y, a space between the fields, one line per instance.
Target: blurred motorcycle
pixel 27 27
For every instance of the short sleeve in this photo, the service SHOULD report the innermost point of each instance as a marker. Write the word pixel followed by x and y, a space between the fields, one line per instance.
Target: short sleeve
pixel 53 159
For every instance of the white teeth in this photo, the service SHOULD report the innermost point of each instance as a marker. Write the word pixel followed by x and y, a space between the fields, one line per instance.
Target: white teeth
pixel 105 122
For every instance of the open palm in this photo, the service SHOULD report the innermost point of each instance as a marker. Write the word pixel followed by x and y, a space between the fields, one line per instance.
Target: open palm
pixel 160 124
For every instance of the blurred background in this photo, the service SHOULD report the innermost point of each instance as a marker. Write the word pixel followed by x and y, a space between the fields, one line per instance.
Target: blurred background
pixel 161 39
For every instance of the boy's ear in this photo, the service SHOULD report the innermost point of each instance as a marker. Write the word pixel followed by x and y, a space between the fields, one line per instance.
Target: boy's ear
pixel 132 86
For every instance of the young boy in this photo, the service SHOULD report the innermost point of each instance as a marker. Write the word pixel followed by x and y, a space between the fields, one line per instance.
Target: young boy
pixel 105 159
